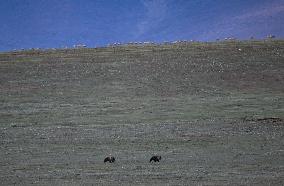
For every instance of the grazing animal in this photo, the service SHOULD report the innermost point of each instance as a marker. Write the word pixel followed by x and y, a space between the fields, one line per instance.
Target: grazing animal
pixel 109 159
pixel 155 158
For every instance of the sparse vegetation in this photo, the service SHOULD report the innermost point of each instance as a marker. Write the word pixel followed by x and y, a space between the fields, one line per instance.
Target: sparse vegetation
pixel 212 111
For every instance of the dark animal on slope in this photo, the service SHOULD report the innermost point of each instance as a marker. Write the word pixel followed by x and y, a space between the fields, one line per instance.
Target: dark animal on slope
pixel 109 159
pixel 155 158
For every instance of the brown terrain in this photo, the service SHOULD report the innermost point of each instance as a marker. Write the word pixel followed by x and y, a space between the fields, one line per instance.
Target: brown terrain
pixel 213 111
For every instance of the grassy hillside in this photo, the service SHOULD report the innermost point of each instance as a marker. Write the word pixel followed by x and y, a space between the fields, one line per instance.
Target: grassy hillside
pixel 144 83
pixel 62 111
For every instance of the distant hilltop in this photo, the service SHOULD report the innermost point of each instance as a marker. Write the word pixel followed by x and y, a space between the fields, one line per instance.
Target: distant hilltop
pixel 80 46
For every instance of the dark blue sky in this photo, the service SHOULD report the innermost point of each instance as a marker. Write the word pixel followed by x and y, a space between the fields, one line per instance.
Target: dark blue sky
pixel 59 23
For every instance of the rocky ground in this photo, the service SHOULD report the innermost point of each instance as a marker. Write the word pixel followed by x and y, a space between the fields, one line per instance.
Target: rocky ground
pixel 213 111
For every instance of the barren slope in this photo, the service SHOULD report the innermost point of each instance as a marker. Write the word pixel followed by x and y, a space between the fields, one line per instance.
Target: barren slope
pixel 214 111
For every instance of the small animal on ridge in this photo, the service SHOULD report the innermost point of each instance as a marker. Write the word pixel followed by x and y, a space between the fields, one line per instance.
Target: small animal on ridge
pixel 109 159
pixel 156 158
